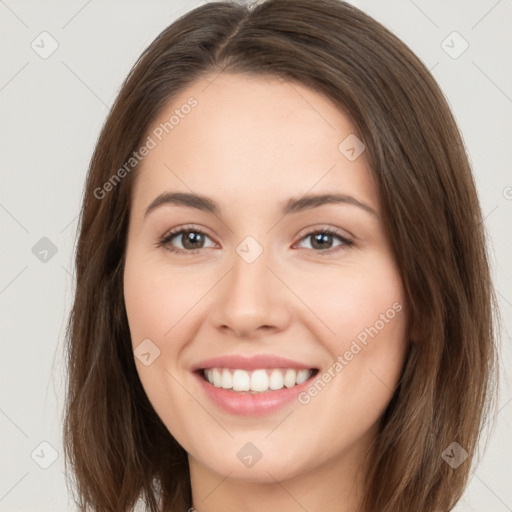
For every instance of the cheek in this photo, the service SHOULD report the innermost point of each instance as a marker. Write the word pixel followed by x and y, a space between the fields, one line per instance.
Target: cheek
pixel 157 314
pixel 156 303
pixel 148 307
pixel 352 298
pixel 365 312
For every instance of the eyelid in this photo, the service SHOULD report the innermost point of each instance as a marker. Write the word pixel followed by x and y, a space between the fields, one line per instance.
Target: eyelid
pixel 343 233
pixel 186 227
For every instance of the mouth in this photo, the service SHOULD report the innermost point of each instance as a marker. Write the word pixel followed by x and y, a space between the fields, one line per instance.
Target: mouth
pixel 261 380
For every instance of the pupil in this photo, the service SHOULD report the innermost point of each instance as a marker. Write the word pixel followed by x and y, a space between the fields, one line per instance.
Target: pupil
pixel 193 238
pixel 319 239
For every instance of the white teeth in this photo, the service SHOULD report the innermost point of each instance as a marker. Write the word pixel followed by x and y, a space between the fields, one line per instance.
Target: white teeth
pixel 289 378
pixel 257 381
pixel 276 380
pixel 303 376
pixel 241 381
pixel 217 378
pixel 227 379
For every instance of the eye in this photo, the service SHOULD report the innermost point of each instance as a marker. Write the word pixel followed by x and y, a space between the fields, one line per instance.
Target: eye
pixel 322 239
pixel 192 240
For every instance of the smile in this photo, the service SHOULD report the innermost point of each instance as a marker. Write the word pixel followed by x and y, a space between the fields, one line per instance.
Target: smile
pixel 256 381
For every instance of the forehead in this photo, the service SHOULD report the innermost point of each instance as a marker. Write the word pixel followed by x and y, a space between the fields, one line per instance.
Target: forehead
pixel 251 139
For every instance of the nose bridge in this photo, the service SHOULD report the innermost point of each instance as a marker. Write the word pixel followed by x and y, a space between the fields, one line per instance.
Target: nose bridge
pixel 252 258
pixel 249 278
pixel 251 295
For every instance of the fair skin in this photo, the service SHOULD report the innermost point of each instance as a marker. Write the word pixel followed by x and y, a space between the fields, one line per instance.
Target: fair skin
pixel 250 144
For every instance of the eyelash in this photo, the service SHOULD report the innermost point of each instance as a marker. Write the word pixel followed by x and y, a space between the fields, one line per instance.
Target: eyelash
pixel 165 240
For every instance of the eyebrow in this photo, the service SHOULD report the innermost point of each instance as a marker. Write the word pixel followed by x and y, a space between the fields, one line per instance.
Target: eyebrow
pixel 293 205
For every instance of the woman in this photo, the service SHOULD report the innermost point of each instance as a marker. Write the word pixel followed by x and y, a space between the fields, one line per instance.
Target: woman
pixel 283 298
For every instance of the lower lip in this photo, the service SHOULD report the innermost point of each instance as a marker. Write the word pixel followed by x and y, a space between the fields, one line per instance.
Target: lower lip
pixel 251 404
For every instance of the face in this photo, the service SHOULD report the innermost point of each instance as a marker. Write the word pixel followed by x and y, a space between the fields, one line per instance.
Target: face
pixel 261 271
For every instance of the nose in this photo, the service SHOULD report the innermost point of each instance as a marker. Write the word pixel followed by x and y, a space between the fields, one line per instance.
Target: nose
pixel 252 299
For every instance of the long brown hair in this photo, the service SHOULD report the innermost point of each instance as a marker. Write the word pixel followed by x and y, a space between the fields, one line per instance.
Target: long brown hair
pixel 117 446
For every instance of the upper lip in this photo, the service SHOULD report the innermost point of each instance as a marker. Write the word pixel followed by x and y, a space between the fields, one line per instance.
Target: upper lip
pixel 245 362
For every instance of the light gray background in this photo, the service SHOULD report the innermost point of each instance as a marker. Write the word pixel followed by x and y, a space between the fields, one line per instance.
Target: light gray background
pixel 52 110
